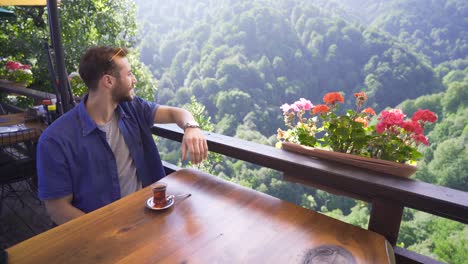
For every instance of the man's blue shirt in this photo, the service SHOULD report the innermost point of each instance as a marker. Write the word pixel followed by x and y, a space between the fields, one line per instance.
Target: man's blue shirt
pixel 73 156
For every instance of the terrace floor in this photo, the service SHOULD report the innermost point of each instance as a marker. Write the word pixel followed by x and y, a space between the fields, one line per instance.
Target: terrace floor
pixel 22 218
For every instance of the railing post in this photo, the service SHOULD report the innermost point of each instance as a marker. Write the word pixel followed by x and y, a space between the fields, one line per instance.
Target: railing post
pixel 385 219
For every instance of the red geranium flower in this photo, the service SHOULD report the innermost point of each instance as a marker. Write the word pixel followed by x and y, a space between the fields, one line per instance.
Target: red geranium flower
pixel 320 109
pixel 424 115
pixel 412 126
pixel 331 98
pixel 361 96
pixel 13 65
pixel 369 111
pixel 421 139
pixel 361 120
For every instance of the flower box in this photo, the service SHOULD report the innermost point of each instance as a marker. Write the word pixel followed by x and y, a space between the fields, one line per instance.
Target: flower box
pixel 16 72
pixel 384 166
pixel 387 147
pixel 12 84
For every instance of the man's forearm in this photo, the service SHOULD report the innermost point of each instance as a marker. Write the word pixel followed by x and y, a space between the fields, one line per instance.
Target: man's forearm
pixel 168 114
pixel 62 211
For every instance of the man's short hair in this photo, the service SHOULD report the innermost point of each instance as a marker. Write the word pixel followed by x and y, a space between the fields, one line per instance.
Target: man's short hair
pixel 97 61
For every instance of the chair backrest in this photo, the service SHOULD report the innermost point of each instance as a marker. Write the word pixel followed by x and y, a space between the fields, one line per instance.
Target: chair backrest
pixel 14 134
pixel 18 154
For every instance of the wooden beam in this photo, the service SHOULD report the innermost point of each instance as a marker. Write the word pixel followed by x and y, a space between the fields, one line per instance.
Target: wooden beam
pixel 385 219
pixel 14 88
pixel 405 256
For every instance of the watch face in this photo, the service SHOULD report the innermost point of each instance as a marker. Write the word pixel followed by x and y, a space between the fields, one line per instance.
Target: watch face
pixel 192 124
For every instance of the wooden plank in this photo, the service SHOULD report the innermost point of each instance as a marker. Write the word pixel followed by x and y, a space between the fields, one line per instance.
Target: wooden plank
pixel 14 88
pixel 220 222
pixel 437 200
pixel 385 219
pixel 405 256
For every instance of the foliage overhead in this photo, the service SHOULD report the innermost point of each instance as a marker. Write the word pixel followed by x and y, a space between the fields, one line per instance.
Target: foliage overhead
pixel 83 24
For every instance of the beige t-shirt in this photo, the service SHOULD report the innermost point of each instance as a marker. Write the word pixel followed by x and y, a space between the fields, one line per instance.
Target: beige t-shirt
pixel 126 169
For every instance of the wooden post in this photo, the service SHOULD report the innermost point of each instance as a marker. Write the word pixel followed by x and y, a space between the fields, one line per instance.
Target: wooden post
pixel 385 219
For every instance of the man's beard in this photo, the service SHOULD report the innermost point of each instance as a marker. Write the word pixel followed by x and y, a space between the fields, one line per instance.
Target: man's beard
pixel 121 93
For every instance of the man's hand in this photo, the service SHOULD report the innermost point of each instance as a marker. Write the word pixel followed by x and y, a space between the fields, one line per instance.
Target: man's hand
pixel 195 143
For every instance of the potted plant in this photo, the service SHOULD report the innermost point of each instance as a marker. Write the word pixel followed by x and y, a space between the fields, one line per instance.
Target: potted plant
pixel 16 72
pixel 389 146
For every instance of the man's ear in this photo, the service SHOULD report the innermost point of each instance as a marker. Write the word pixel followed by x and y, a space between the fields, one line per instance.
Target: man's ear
pixel 106 80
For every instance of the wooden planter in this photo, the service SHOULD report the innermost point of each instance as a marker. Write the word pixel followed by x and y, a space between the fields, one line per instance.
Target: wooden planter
pixel 384 166
pixel 10 83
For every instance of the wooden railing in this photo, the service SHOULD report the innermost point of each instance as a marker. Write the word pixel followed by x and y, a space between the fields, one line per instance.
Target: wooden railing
pixel 388 195
pixel 14 88
pixel 18 89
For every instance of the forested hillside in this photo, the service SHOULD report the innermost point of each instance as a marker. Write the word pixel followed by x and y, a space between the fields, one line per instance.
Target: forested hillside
pixel 435 28
pixel 246 58
pixel 243 59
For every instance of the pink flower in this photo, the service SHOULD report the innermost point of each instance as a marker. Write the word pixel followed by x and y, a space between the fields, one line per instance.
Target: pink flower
pixel 424 115
pixel 380 128
pixel 393 117
pixel 295 108
pixel 304 104
pixel 285 108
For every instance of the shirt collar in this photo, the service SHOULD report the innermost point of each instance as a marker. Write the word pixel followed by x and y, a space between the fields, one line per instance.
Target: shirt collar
pixel 87 124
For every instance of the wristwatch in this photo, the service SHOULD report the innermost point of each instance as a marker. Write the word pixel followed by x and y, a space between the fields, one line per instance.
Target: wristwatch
pixel 191 124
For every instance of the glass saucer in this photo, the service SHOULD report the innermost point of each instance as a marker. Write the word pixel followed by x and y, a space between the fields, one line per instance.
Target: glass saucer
pixel 150 204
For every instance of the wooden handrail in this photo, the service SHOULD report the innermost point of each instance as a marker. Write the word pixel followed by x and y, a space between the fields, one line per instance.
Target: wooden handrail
pixel 367 185
pixel 14 88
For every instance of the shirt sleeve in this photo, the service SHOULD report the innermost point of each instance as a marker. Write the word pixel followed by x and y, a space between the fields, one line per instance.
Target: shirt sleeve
pixel 53 172
pixel 148 110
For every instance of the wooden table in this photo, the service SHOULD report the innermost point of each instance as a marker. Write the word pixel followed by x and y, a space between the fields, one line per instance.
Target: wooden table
pixel 220 223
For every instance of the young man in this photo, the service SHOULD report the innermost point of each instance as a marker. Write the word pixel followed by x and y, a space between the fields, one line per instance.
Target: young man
pixel 103 149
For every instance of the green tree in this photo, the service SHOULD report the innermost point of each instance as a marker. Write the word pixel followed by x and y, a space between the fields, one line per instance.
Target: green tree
pixel 83 24
pixel 450 163
pixel 456 96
